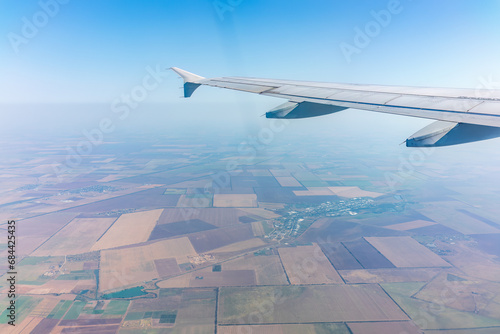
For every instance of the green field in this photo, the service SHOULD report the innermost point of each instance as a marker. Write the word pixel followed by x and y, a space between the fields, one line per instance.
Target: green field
pixel 24 306
pixel 33 260
pixel 170 292
pixel 77 275
pixel 60 309
pixel 75 310
pixel 118 307
pixel 127 293
pixel 134 316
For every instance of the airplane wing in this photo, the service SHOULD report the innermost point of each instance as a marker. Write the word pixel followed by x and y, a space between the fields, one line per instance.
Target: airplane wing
pixel 462 115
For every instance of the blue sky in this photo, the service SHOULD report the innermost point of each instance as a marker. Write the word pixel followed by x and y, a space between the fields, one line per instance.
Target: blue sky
pixel 90 51
pixel 93 51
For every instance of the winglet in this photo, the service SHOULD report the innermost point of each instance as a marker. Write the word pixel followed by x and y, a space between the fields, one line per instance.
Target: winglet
pixel 187 76
pixel 190 81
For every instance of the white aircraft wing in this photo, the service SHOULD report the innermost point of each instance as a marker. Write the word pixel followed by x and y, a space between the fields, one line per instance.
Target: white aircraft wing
pixel 462 115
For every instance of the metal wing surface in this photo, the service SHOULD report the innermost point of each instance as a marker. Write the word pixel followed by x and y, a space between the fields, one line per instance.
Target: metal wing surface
pixel 462 115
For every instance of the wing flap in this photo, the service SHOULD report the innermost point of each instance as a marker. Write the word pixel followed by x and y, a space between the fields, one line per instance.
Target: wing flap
pixel 440 134
pixel 290 110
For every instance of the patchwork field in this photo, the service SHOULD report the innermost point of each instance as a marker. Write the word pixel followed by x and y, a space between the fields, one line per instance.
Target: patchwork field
pixel 130 241
pixel 351 192
pixel 410 225
pixel 67 316
pixel 286 329
pixel 132 265
pixel 219 217
pixel 24 306
pixel 492 330
pixel 339 256
pixel 462 293
pixel 240 246
pixel 54 287
pixel 208 278
pixel 258 229
pixel 253 181
pixel 259 172
pixel 244 271
pixel 259 212
pixel 181 281
pixel 425 315
pixel 195 201
pixel 298 304
pixel 77 237
pixel 279 172
pixel 396 327
pixel 235 201
pixel 473 262
pixel 27 326
pixel 308 265
pixel 167 267
pixel 346 229
pixel 173 311
pixel 346 192
pixel 129 229
pixel 139 200
pixel 488 243
pixel 31 269
pixel 33 232
pixel 268 268
pixel 406 252
pixel 446 213
pixel 367 255
pixel 288 181
pixel 223 278
pixel 213 239
pixel 314 191
pixel 170 230
pixel 389 275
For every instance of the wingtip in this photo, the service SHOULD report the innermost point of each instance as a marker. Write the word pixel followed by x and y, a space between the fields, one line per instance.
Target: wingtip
pixel 187 76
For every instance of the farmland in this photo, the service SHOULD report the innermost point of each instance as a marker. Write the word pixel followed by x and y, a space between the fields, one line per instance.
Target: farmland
pixel 294 304
pixel 308 265
pixel 406 252
pixel 384 327
pixel 235 201
pixel 213 239
pixel 156 236
pixel 79 236
pixel 219 217
pixel 410 225
pixel 389 275
pixel 447 317
pixel 367 255
pixel 287 328
pixel 268 268
pixel 124 232
pixel 127 266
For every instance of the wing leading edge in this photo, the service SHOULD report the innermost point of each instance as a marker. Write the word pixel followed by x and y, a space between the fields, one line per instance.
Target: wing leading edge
pixel 462 115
